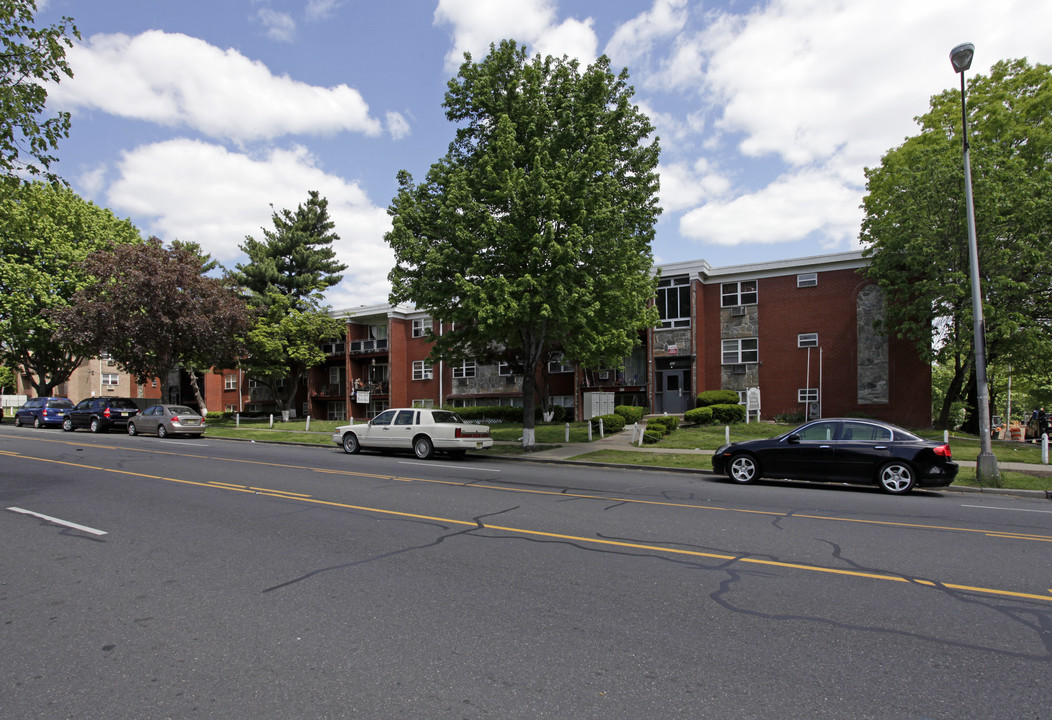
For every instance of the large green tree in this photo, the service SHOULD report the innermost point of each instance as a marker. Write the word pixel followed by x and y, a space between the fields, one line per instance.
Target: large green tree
pixel 916 228
pixel 285 279
pixel 30 57
pixel 155 310
pixel 46 232
pixel 534 231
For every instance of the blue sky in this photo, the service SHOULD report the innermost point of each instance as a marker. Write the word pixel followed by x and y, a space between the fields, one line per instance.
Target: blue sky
pixel 193 118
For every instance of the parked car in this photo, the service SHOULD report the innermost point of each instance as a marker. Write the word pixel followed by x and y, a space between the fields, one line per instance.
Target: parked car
pixel 42 411
pixel 99 414
pixel 1036 426
pixel 165 420
pixel 842 450
pixel 421 430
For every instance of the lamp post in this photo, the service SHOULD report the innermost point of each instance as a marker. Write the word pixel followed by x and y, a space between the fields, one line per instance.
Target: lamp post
pixel 986 465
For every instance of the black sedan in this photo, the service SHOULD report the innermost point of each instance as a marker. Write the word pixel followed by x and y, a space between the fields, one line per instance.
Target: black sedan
pixel 842 450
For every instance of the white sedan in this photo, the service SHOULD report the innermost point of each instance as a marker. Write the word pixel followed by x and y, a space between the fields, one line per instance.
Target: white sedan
pixel 421 430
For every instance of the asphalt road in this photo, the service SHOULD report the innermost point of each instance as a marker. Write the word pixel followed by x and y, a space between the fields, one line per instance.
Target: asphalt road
pixel 246 580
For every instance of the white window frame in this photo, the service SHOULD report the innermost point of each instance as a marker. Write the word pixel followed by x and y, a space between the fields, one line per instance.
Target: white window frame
pixel 556 365
pixel 422 370
pixel 466 369
pixel 507 369
pixel 110 379
pixel 807 395
pixel 421 326
pixel 807 340
pixel 807 280
pixel 424 403
pixel 230 382
pixel 733 294
pixel 674 291
pixel 741 351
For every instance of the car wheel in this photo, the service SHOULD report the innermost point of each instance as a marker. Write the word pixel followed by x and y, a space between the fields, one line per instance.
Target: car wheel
pixel 67 425
pixel 423 448
pixel 162 431
pixel 350 444
pixel 896 478
pixel 743 469
pixel 131 429
pixel 37 424
pixel 95 425
pixel 18 421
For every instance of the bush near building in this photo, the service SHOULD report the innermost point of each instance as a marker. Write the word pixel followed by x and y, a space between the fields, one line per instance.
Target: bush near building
pixel 631 413
pixel 717 397
pixel 667 424
pixel 698 416
pixel 611 423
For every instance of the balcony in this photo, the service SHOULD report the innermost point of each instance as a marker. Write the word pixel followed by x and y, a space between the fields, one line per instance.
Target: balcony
pixel 331 390
pixel 368 346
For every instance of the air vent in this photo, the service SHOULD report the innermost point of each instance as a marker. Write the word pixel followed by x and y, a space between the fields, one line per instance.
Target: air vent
pixel 738 311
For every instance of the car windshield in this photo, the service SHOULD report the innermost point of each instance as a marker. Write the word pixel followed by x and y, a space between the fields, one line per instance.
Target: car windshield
pixel 60 403
pixel 444 416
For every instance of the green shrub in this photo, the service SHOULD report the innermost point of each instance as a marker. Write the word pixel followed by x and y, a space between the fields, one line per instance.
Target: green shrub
pixel 489 414
pixel 698 416
pixel 728 414
pixel 650 437
pixel 717 397
pixel 631 413
pixel 611 423
pixel 668 422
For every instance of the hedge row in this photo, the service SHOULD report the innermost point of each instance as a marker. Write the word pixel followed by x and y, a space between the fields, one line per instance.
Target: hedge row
pixel 496 414
pixel 611 423
pixel 631 413
pixel 717 397
pixel 726 414
pixel 665 424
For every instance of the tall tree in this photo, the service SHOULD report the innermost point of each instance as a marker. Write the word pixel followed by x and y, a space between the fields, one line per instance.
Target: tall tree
pixel 154 309
pixel 30 57
pixel 46 232
pixel 534 231
pixel 285 278
pixel 916 227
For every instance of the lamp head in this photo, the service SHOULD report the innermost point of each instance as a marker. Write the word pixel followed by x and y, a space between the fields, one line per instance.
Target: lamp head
pixel 961 57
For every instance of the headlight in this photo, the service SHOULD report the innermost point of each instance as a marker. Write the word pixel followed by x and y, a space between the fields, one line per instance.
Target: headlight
pixel 721 449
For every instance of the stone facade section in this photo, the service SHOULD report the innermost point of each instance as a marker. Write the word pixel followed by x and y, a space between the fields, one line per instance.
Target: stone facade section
pixel 873 364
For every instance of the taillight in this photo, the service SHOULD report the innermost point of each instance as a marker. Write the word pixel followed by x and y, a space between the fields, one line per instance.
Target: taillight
pixel 175 418
pixel 943 451
pixel 476 434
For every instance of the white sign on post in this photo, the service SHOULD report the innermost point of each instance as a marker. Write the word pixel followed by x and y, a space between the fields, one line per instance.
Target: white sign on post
pixel 752 403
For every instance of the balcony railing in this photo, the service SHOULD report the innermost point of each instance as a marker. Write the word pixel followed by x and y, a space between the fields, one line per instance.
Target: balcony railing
pixel 367 346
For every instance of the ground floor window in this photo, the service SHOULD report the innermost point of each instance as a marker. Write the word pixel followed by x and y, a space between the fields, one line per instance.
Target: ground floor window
pixel 424 403
pixel 336 410
pixel 807 395
pixel 741 350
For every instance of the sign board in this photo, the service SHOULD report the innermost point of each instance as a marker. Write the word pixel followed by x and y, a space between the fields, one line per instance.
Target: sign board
pixel 671 350
pixel 361 397
pixel 752 403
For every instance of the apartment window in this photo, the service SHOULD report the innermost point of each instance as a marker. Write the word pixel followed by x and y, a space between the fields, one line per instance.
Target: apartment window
pixel 807 280
pixel 110 378
pixel 807 340
pixel 465 370
pixel 807 395
pixel 254 384
pixel 336 410
pixel 421 326
pixel 556 365
pixel 740 351
pixel 673 301
pixel 230 382
pixel 738 293
pixel 230 407
pixel 424 403
pixel 422 370
pixel 506 369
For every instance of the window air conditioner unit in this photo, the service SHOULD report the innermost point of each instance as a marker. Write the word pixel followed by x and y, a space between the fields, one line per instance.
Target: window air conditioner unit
pixel 462 381
pixel 737 311
pixel 738 369
pixel 356 346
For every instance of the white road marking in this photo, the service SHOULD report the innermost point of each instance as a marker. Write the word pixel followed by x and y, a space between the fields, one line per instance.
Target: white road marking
pixel 994 507
pixel 457 467
pixel 66 523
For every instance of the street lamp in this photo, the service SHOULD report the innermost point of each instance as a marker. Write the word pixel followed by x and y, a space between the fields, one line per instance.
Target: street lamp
pixel 986 464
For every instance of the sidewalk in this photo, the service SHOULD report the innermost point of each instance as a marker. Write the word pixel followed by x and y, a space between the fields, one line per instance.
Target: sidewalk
pixel 622 441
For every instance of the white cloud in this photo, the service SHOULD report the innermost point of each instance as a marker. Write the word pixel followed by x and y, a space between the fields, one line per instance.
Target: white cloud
pixel 209 195
pixel 791 208
pixel 280 26
pixel 478 23
pixel 176 80
pixel 636 38
pixel 684 186
pixel 322 9
pixel 397 125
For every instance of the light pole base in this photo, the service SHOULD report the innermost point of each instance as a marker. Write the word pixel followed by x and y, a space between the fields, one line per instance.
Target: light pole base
pixel 986 472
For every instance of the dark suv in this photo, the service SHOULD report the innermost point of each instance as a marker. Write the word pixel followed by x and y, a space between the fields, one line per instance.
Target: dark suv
pixel 99 414
pixel 43 411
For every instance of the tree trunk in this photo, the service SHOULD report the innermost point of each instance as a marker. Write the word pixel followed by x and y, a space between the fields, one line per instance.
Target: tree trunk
pixel 971 417
pixel 953 393
pixel 529 431
pixel 197 392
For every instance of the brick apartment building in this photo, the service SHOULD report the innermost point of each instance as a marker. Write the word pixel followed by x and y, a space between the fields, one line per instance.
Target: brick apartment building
pixel 801 332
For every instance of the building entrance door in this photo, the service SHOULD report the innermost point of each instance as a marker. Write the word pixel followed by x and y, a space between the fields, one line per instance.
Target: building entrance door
pixel 675 391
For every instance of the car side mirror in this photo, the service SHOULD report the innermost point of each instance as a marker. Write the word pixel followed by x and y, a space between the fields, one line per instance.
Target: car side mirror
pixel 793 439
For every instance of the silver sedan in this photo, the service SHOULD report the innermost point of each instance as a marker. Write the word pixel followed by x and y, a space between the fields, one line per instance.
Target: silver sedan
pixel 165 420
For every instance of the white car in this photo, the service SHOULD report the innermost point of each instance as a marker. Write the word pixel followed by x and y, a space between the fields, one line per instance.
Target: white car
pixel 421 430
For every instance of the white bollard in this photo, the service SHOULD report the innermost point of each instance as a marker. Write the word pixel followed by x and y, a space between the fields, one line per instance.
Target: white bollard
pixel 946 436
pixel 1044 449
pixel 589 431
pixel 600 428
pixel 237 420
pixel 642 432
pixel 727 434
pixel 308 423
pixel 272 421
pixel 567 432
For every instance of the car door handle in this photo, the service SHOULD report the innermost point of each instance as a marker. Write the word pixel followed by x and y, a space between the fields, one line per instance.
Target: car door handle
pixel 880 447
